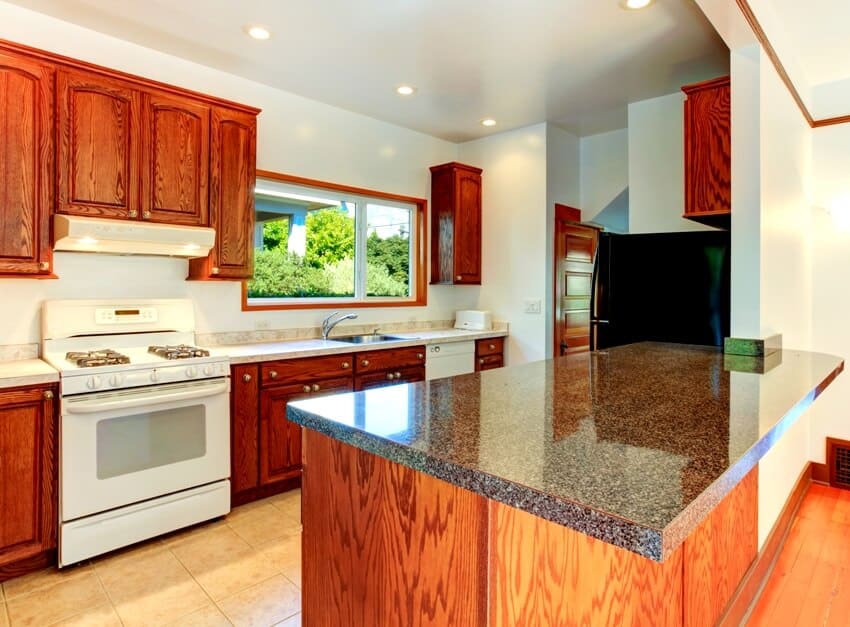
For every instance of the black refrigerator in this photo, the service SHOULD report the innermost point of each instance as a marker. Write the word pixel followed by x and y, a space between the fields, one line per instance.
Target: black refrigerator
pixel 661 287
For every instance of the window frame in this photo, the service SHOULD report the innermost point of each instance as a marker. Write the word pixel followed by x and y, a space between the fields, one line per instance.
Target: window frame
pixel 418 260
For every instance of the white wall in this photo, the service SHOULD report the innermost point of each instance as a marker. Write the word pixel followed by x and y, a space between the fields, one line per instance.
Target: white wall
pixel 563 185
pixel 657 166
pixel 605 178
pixel 514 233
pixel 295 136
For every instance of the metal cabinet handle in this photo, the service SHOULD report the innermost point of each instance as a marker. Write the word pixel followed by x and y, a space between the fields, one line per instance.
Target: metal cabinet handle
pixel 146 214
pixel 481 361
pixel 246 378
pixel 48 395
pixel 364 363
pixel 458 278
pixel 492 346
pixel 306 389
pixel 132 213
pixel 44 265
pixel 346 365
pixel 316 387
pixel 215 270
pixel 420 356
pixel 273 374
pixel 398 375
pixel 390 376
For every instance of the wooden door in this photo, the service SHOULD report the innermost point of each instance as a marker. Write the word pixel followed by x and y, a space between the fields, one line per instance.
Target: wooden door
pixel 28 497
pixel 280 439
pixel 244 426
pixel 177 151
pixel 467 228
pixel 26 165
pixel 233 156
pixel 99 121
pixel 575 246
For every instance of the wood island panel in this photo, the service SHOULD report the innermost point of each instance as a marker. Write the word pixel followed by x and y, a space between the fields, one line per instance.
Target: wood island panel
pixel 545 574
pixel 388 545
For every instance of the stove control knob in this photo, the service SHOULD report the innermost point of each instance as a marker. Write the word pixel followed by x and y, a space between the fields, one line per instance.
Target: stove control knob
pixel 115 380
pixel 209 370
pixel 154 376
pixel 93 383
pixel 191 371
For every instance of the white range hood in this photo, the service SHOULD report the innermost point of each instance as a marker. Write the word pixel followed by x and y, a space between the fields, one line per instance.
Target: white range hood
pixel 96 235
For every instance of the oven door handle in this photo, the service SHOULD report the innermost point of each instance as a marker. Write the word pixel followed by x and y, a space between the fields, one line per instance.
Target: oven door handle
pixel 94 405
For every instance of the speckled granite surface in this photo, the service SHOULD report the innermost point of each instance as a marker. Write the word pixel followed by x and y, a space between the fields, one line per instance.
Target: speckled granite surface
pixel 633 445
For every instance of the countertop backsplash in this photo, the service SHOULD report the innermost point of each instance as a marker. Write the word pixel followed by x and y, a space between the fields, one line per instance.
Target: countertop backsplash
pixel 16 352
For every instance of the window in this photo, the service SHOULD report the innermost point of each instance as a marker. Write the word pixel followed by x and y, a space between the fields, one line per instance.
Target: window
pixel 319 244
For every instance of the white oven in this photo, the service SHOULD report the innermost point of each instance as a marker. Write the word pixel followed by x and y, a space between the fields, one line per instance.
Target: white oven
pixel 139 462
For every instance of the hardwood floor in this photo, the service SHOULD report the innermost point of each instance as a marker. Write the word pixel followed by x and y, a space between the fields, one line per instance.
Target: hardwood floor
pixel 810 584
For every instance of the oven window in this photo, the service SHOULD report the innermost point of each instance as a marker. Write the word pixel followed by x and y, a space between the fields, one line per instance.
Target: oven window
pixel 150 439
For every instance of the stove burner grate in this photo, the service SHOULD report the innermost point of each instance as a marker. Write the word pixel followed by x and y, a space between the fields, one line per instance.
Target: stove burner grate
pixel 179 351
pixel 101 357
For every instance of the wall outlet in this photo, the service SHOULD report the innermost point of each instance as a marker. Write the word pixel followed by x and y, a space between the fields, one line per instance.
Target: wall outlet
pixel 532 306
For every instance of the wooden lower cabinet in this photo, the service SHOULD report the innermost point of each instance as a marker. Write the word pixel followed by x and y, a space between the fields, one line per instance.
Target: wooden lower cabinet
pixel 382 379
pixel 489 353
pixel 28 490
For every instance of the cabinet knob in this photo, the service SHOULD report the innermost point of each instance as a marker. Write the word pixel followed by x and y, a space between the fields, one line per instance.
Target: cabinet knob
pixel 346 365
pixel 458 278
pixel 48 395
pixel 273 374
pixel 306 389
pixel 146 214
pixel 246 378
pixel 44 265
pixel 420 356
pixel 481 361
pixel 492 346
pixel 398 375
pixel 215 270
pixel 133 213
pixel 390 376
pixel 364 363
pixel 316 387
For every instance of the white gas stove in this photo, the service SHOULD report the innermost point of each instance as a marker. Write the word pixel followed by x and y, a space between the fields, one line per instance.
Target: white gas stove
pixel 145 422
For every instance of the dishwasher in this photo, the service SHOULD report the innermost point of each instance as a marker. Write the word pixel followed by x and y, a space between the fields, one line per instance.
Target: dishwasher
pixel 449 359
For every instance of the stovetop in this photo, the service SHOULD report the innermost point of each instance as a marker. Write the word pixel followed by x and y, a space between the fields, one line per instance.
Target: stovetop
pixel 101 357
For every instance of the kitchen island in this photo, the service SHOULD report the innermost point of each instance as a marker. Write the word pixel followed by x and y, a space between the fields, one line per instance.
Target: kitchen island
pixel 615 487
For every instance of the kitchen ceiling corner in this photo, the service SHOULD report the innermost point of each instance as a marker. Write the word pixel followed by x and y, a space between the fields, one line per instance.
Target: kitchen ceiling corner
pixel 574 63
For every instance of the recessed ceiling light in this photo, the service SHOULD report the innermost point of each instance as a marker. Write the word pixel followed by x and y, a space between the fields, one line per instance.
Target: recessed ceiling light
pixel 405 90
pixel 488 122
pixel 257 32
pixel 633 5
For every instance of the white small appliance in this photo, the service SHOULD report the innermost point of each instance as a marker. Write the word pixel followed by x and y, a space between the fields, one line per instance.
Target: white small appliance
pixel 144 445
pixel 473 320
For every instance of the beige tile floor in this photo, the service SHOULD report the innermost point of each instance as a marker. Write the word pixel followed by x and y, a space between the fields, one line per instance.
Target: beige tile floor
pixel 244 569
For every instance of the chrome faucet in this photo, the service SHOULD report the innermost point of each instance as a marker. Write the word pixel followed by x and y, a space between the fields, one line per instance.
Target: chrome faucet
pixel 329 323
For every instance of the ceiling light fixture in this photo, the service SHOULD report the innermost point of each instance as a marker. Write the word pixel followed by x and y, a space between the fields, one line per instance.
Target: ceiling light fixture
pixel 634 5
pixel 405 90
pixel 488 122
pixel 257 32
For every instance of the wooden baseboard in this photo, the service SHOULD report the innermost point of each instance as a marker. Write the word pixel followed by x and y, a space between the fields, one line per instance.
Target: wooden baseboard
pixel 751 586
pixel 820 473
pixel 255 494
pixel 28 565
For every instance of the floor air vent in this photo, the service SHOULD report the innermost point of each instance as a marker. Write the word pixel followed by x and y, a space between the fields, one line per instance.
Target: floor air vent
pixel 838 460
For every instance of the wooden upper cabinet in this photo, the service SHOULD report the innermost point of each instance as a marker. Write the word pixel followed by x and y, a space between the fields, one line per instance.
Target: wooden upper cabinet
pixel 708 161
pixel 455 224
pixel 100 146
pixel 233 155
pixel 177 160
pixel 28 498
pixel 26 165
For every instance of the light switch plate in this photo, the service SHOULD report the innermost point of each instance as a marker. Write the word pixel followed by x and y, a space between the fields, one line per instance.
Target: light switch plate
pixel 532 305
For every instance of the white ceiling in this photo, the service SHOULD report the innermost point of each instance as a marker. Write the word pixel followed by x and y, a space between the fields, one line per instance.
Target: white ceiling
pixel 818 32
pixel 576 63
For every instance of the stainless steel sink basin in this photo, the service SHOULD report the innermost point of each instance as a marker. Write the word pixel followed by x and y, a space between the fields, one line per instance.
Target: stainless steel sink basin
pixel 371 338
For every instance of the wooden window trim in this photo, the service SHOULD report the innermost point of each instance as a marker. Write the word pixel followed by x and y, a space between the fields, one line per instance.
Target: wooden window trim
pixel 420 261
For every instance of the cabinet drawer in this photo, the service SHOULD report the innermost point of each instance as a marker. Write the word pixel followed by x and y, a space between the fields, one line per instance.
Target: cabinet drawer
pixel 306 370
pixel 390 377
pixel 489 362
pixel 393 358
pixel 492 346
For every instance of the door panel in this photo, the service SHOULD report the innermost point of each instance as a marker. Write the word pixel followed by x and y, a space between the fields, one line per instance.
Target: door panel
pixel 467 231
pixel 575 246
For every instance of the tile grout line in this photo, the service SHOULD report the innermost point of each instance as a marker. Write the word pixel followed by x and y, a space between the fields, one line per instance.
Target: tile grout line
pixel 106 592
pixel 198 583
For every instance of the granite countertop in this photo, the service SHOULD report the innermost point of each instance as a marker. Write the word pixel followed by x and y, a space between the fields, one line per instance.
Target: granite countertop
pixel 634 445
pixel 17 372
pixel 291 349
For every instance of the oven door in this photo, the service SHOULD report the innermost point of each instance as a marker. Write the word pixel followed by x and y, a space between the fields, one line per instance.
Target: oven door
pixel 128 446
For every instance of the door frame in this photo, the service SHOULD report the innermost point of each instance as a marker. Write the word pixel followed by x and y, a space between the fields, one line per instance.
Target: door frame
pixel 571 216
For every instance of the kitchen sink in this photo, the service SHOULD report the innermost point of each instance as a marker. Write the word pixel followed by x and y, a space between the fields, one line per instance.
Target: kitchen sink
pixel 371 338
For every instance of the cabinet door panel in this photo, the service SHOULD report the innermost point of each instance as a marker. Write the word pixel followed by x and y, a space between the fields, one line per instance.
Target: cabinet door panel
pixel 467 240
pixel 389 359
pixel 244 425
pixel 708 165
pixel 280 439
pixel 27 464
pixel 26 165
pixel 177 167
pixel 410 374
pixel 99 146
